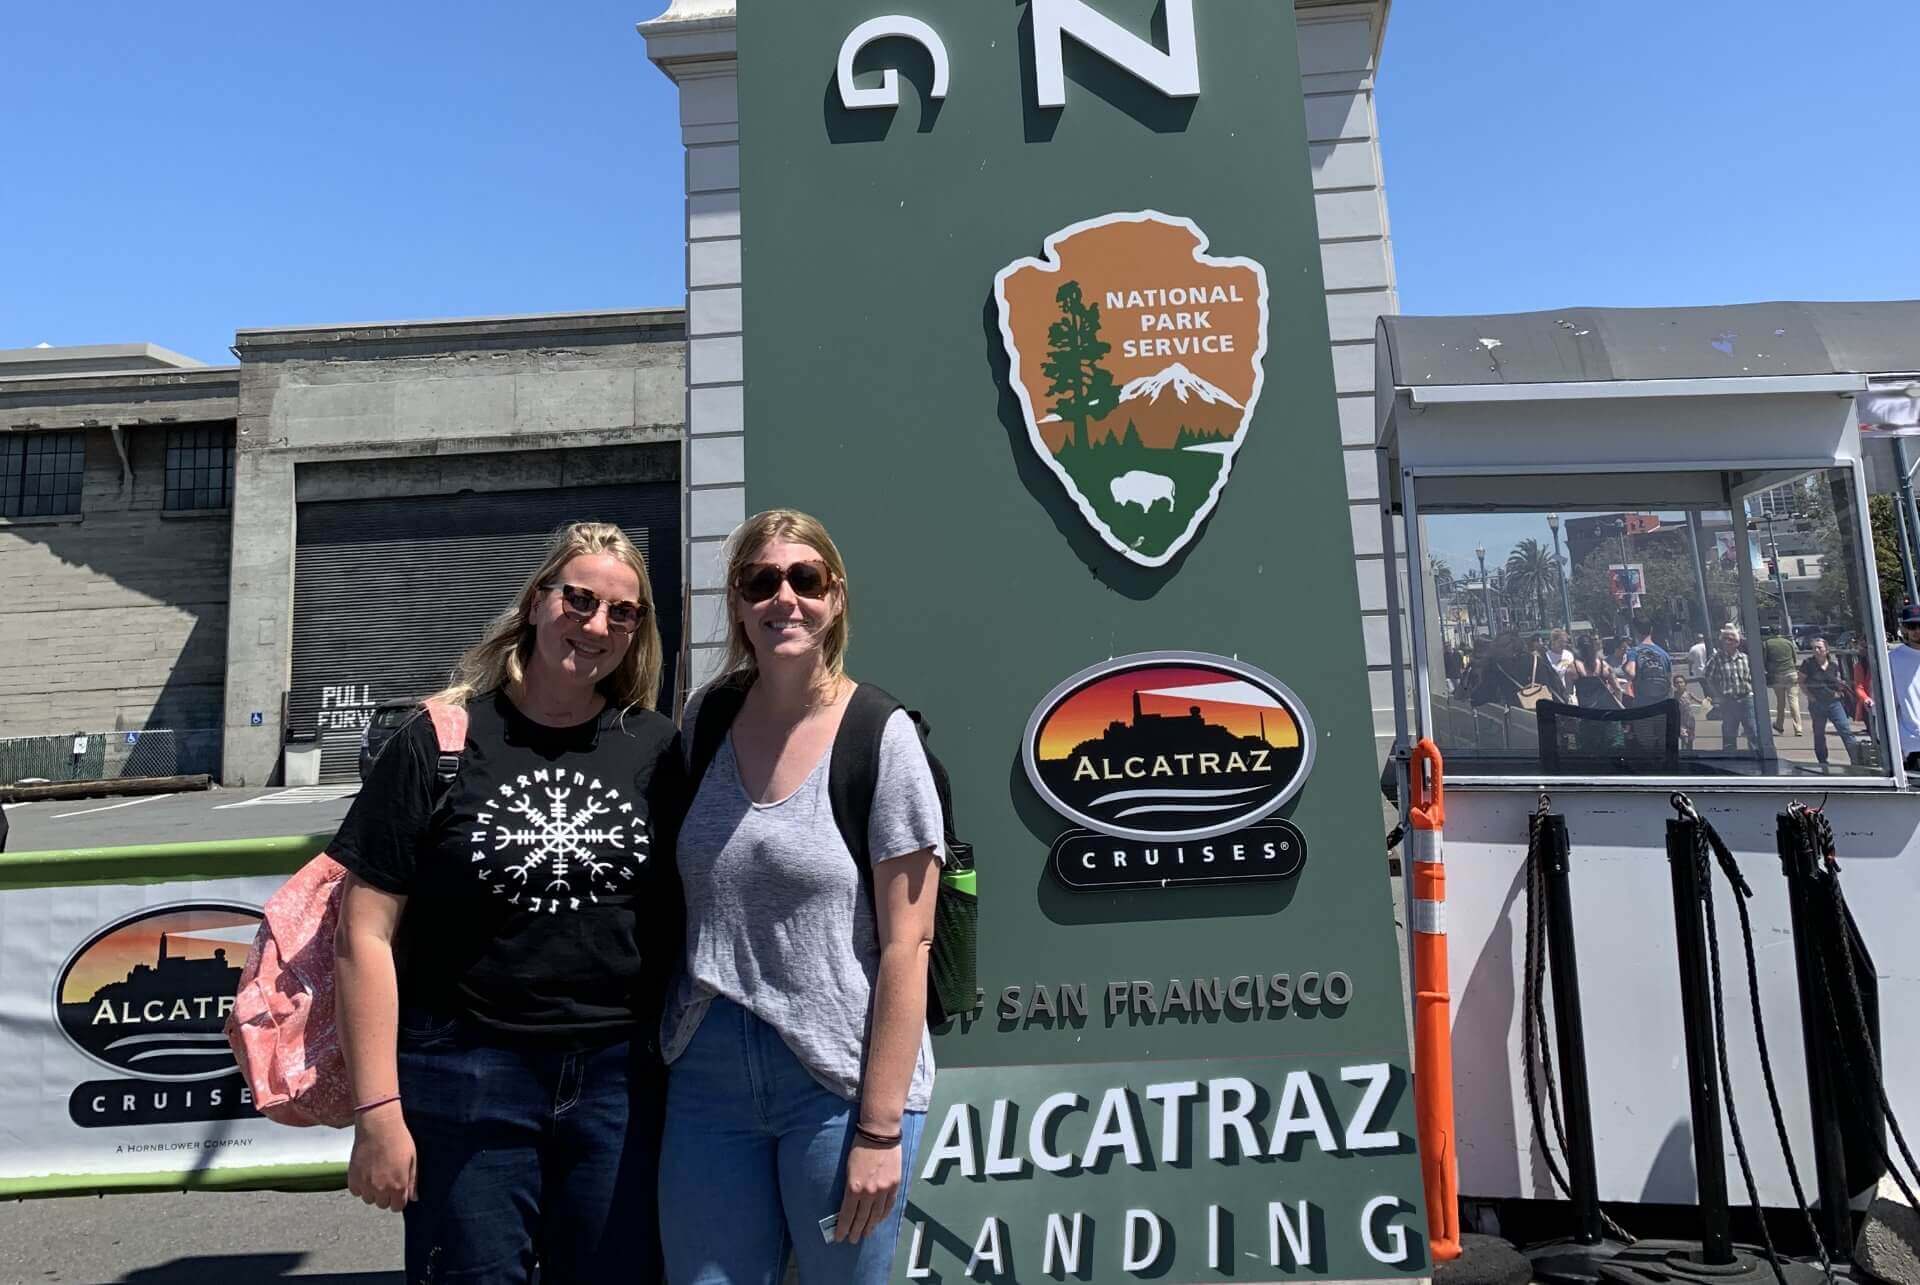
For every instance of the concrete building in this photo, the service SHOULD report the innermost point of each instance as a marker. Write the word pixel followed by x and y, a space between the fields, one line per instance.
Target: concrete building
pixel 393 482
pixel 694 42
pixel 201 562
pixel 114 540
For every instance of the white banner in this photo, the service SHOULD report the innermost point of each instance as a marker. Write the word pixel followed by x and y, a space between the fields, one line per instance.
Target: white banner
pixel 112 1000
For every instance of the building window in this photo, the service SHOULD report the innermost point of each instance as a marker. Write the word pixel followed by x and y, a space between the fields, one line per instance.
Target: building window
pixel 199 467
pixel 40 473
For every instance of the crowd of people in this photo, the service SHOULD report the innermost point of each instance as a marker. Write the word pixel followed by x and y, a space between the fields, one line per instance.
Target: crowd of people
pixel 1637 669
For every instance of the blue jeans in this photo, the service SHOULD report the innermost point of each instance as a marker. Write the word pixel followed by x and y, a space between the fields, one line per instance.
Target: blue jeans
pixel 755 1155
pixel 1835 712
pixel 529 1153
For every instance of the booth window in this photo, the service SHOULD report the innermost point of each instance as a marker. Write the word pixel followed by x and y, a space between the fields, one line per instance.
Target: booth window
pixel 1688 623
pixel 41 473
pixel 199 467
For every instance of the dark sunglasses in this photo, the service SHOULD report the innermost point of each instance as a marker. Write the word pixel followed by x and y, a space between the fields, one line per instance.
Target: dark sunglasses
pixel 759 581
pixel 583 604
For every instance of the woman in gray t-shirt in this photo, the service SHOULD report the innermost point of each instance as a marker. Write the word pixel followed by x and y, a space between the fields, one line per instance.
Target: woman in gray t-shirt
pixel 797 1037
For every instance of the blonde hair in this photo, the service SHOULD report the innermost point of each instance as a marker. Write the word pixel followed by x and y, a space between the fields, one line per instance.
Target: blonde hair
pixel 500 657
pixel 748 539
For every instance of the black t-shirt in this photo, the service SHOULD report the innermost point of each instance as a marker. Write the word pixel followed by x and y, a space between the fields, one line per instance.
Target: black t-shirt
pixel 542 899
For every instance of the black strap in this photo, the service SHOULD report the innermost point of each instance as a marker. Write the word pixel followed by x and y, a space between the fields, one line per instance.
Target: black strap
pixel 719 706
pixel 854 772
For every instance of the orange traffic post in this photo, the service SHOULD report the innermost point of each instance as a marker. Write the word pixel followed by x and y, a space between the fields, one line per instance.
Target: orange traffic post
pixel 1432 1004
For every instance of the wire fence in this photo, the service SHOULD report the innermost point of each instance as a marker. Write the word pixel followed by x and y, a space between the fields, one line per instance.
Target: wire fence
pixel 110 756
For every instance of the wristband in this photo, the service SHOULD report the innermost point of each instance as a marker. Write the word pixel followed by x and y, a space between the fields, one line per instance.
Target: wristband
pixel 377 1102
pixel 876 1138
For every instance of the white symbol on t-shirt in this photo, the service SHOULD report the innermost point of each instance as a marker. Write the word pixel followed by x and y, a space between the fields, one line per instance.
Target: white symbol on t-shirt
pixel 568 849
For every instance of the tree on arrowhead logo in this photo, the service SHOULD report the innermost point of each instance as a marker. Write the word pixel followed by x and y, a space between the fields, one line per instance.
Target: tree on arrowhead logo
pixel 1137 358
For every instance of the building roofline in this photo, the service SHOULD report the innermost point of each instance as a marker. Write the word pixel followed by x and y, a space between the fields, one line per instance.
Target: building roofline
pixel 508 324
pixel 132 381
pixel 165 357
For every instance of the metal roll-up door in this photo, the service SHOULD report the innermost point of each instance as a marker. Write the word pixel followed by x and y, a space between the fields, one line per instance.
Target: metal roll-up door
pixel 388 593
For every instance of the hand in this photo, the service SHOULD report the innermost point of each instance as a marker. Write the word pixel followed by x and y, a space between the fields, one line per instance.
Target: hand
pixel 873 1180
pixel 383 1168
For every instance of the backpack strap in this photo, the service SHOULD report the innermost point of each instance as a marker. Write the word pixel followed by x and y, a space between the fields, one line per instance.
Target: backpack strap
pixel 450 730
pixel 854 772
pixel 719 706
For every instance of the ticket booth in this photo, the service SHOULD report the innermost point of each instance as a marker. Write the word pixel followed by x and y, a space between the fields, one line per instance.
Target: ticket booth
pixel 1577 481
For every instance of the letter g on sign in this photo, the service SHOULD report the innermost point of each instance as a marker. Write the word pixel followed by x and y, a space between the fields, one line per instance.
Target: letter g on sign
pixel 887 93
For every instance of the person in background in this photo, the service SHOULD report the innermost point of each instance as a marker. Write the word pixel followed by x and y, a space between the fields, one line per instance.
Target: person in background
pixel 1560 652
pixel 1510 667
pixel 1649 668
pixel 1451 662
pixel 1829 690
pixel 1777 651
pixel 1594 686
pixel 1620 663
pixel 1729 679
pixel 1903 662
pixel 1697 661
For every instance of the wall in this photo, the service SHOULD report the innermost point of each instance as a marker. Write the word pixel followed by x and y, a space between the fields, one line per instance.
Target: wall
pixel 115 619
pixel 693 42
pixel 383 393
pixel 1339 49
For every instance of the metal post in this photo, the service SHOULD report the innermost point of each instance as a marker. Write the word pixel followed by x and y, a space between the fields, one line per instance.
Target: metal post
pixel 1581 1175
pixel 1829 1148
pixel 1560 572
pixel 1908 521
pixel 1703 1075
pixel 1700 574
pixel 1486 594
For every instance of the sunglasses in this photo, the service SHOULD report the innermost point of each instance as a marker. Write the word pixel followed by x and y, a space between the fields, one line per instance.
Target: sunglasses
pixel 583 604
pixel 759 581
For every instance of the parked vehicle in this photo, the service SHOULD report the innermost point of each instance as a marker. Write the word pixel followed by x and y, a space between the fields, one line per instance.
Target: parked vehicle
pixel 388 718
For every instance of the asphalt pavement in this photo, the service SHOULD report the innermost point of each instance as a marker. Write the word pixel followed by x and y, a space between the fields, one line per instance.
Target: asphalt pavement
pixel 193 816
pixel 199 1238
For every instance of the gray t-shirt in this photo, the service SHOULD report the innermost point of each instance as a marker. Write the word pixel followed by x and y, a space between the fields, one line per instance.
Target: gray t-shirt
pixel 778 920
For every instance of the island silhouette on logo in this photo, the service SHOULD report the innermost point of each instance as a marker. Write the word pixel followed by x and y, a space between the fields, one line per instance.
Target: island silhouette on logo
pixel 163 1016
pixel 1137 360
pixel 1168 749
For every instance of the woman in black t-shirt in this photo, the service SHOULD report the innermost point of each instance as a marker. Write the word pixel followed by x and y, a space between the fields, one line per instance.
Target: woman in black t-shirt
pixel 506 1086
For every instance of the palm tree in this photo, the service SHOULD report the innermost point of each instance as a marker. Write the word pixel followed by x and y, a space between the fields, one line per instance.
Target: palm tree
pixel 1532 569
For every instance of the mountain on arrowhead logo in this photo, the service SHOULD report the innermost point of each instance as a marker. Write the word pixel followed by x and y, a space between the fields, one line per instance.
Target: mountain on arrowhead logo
pixel 1137 359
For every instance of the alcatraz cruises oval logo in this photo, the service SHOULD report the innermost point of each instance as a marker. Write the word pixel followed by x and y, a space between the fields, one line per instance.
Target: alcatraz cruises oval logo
pixel 1170 746
pixel 148 995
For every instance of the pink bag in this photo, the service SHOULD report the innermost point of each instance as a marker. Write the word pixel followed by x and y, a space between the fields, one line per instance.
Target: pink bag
pixel 282 1025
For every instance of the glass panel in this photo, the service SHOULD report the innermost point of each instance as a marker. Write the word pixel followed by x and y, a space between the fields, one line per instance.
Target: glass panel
pixel 1703 624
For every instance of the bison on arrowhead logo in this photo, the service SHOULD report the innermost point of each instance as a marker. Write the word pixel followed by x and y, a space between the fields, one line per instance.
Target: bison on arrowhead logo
pixel 1137 359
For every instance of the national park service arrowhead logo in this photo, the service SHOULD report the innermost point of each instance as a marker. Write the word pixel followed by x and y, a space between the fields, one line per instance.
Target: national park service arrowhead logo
pixel 1137 358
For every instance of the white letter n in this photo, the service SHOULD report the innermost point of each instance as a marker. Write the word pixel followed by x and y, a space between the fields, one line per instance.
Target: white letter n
pixel 1175 73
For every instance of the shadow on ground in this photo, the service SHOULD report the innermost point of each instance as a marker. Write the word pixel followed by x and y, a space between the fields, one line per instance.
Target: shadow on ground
pixel 202 1268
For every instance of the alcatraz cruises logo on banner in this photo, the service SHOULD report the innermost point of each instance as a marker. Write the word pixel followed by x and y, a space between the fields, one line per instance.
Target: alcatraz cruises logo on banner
pixel 148 997
pixel 1175 763
pixel 1137 359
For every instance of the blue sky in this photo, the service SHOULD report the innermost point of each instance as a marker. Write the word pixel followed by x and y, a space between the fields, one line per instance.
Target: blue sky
pixel 175 172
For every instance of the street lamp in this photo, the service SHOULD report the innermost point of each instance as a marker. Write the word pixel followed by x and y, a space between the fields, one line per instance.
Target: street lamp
pixel 1486 595
pixel 1779 581
pixel 1560 571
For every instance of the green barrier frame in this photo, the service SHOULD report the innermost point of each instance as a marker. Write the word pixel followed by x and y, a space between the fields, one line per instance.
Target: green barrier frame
pixel 166 863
